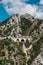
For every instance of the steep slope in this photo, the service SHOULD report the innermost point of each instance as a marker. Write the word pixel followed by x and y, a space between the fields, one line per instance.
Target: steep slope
pixel 21 40
pixel 11 26
pixel 21 25
pixel 18 26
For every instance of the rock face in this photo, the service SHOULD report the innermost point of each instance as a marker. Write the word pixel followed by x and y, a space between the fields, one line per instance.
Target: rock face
pixel 22 35
pixel 19 26
pixel 16 25
pixel 12 27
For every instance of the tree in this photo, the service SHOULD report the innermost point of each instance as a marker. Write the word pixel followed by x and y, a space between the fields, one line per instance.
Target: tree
pixel 27 44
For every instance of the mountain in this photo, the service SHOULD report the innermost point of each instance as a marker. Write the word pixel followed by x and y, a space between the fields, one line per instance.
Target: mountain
pixel 18 25
pixel 21 40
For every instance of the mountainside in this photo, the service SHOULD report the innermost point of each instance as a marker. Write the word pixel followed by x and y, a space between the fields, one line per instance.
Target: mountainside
pixel 18 26
pixel 21 40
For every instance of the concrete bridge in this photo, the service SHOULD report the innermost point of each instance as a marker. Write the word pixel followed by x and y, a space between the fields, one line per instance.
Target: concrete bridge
pixel 19 39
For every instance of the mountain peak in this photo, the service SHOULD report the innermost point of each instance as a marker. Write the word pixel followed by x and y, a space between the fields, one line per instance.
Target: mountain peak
pixel 18 24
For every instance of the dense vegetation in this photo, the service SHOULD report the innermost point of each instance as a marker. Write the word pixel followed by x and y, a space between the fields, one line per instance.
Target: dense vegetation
pixel 25 24
pixel 17 49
